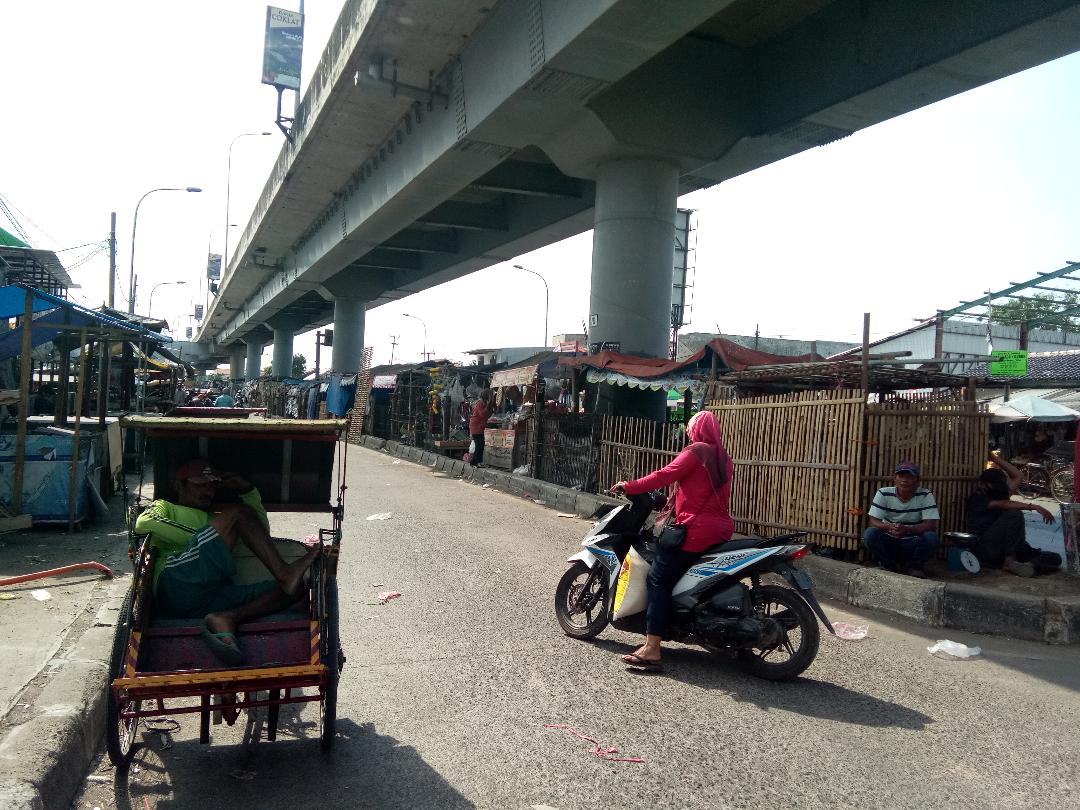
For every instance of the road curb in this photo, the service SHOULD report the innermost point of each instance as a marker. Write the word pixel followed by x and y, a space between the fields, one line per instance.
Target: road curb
pixel 43 759
pixel 1055 619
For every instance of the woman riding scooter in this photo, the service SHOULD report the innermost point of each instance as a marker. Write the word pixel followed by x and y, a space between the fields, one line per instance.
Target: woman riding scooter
pixel 702 473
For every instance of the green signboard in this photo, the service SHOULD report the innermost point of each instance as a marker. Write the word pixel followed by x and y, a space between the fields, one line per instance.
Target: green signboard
pixel 1009 364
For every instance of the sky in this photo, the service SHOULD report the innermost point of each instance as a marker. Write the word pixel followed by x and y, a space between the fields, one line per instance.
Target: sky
pixel 899 220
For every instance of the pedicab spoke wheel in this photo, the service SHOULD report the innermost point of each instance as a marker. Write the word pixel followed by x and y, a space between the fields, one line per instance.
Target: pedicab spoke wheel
pixel 120 731
pixel 330 652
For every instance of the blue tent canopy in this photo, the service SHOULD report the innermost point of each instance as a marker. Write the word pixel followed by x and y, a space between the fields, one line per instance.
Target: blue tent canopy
pixel 62 316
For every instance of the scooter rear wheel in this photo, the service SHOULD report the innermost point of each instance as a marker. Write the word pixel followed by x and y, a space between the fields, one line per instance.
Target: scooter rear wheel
pixel 799 647
pixel 581 601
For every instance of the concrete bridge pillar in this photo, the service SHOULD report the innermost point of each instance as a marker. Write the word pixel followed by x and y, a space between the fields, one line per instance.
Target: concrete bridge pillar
pixel 236 362
pixel 348 348
pixel 633 253
pixel 283 352
pixel 254 358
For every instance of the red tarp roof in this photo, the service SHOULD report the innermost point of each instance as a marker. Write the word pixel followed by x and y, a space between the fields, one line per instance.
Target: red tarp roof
pixel 733 357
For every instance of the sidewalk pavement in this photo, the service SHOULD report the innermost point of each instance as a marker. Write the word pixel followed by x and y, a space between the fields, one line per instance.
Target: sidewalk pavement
pixel 56 652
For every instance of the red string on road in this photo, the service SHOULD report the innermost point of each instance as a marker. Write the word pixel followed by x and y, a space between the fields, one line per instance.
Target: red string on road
pixel 600 751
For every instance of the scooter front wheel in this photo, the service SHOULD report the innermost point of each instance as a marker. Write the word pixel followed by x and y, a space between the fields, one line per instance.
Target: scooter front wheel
pixel 581 601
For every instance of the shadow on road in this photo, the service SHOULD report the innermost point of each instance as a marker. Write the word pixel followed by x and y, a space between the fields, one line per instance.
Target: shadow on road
pixel 365 769
pixel 806 696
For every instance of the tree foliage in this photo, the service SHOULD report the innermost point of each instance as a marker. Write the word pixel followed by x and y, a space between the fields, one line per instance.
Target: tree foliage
pixel 299 365
pixel 1039 305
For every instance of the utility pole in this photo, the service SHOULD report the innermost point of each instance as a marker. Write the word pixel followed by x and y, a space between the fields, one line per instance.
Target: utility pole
pixel 112 260
pixel 103 364
pixel 393 345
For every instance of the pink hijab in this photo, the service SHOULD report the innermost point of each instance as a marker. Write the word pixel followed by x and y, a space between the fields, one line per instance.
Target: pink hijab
pixel 708 447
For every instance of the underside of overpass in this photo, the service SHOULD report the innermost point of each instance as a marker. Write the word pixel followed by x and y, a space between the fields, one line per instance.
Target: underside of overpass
pixel 439 138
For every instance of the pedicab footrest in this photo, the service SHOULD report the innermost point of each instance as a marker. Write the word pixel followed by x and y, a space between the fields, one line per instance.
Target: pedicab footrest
pixel 225 679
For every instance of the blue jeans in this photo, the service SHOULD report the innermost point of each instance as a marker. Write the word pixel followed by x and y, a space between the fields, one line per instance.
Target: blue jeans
pixel 901 553
pixel 667 568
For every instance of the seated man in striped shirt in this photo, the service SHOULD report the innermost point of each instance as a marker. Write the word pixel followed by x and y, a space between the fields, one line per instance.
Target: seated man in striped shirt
pixel 902 535
pixel 195 538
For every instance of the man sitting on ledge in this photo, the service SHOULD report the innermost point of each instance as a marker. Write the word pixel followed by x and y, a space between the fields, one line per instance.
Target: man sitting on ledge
pixel 902 535
pixel 195 538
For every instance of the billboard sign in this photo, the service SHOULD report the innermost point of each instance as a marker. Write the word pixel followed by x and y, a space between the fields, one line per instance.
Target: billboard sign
pixel 213 266
pixel 283 49
pixel 187 333
pixel 198 312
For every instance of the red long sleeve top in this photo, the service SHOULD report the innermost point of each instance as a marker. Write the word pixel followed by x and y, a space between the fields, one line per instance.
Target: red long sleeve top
pixel 481 412
pixel 703 511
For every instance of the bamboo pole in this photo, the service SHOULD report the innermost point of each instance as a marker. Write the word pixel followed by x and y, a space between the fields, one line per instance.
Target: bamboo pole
pixel 79 390
pixel 24 403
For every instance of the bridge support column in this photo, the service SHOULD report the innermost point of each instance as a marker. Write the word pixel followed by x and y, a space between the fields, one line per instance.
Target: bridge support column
pixel 236 362
pixel 283 353
pixel 348 349
pixel 633 253
pixel 254 358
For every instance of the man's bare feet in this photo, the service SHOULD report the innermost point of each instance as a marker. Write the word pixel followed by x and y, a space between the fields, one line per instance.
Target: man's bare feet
pixel 221 623
pixel 294 572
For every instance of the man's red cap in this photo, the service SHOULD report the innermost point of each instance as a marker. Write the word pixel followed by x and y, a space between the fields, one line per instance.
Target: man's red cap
pixel 197 471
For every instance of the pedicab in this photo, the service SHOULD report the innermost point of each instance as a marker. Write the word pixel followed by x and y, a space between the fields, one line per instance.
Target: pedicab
pixel 160 665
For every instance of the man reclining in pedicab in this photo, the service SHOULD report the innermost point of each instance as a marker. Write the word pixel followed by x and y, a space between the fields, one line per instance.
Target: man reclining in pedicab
pixel 195 538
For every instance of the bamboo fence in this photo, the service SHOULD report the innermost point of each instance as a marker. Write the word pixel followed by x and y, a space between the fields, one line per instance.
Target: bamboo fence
pixel 947 436
pixel 632 448
pixel 797 463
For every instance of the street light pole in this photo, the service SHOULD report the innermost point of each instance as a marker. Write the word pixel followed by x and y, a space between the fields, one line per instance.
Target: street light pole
pixel 546 297
pixel 228 185
pixel 150 306
pixel 424 352
pixel 134 225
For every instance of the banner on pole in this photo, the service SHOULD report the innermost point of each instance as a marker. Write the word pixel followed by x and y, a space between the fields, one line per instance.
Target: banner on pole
pixel 213 266
pixel 283 49
pixel 198 312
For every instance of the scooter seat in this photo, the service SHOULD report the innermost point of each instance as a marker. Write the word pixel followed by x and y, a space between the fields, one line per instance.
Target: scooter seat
pixel 735 545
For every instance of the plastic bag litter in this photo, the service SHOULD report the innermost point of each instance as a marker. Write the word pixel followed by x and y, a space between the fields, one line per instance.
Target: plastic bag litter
pixel 953 649
pixel 379 516
pixel 851 632
pixel 522 470
pixel 386 596
pixel 41 595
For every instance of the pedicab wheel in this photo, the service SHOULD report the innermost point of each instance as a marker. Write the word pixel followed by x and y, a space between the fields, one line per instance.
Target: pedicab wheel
pixel 799 644
pixel 119 731
pixel 332 657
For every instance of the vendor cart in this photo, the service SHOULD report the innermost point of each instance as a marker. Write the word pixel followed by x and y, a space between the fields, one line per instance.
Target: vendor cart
pixel 160 665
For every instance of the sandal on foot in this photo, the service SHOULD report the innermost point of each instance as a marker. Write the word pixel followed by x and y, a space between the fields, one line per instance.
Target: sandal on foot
pixel 223 646
pixel 638 662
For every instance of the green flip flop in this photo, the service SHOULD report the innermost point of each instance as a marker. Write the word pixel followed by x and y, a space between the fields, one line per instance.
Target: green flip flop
pixel 227 652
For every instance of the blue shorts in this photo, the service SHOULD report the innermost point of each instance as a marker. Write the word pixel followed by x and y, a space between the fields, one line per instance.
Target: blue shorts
pixel 198 579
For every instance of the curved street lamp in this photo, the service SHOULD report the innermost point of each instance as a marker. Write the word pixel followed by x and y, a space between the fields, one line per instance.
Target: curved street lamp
pixel 228 185
pixel 134 225
pixel 150 306
pixel 424 352
pixel 527 270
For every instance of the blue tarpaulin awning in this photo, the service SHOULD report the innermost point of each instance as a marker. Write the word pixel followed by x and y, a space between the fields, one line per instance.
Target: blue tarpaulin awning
pixel 61 316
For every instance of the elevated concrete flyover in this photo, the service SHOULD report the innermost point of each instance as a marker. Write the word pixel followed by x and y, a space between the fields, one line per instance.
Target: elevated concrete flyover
pixel 439 138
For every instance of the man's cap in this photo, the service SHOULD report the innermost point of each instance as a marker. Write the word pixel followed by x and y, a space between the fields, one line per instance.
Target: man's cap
pixel 197 471
pixel 908 467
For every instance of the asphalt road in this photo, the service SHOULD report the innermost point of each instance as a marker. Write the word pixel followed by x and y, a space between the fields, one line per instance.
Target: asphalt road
pixel 447 691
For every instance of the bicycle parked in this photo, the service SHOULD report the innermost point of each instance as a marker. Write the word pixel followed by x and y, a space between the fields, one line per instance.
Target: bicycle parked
pixel 1053 476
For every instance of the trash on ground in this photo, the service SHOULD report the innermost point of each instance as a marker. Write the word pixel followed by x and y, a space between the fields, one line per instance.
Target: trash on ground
pixel 565 514
pixel 386 596
pixel 379 516
pixel 99 777
pixel 522 470
pixel 953 649
pixel 7 597
pixel 539 502
pixel 41 595
pixel 396 462
pixel 242 775
pixel 486 486
pixel 851 632
pixel 311 540
pixel 377 584
pixel 602 752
